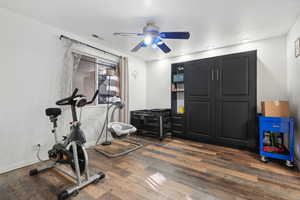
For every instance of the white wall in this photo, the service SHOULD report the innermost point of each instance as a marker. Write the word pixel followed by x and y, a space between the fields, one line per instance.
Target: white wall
pixel 137 83
pixel 271 71
pixel 293 81
pixel 31 62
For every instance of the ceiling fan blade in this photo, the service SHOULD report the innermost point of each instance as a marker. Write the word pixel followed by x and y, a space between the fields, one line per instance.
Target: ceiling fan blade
pixel 175 35
pixel 163 46
pixel 127 34
pixel 138 46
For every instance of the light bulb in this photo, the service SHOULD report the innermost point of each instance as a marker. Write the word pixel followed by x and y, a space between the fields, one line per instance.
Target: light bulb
pixel 148 40
pixel 160 43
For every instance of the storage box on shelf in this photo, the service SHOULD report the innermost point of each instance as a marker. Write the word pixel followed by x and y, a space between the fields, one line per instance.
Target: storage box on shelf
pixel 275 108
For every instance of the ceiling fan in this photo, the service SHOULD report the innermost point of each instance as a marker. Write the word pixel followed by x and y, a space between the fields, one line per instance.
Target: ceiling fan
pixel 152 37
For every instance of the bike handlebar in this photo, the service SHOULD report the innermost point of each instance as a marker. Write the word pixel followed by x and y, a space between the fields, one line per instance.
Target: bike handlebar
pixel 74 92
pixel 94 97
pixel 66 101
pixel 70 99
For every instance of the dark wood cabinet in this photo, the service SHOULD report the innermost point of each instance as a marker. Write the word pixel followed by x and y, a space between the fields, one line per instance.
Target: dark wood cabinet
pixel 236 99
pixel 199 99
pixel 220 100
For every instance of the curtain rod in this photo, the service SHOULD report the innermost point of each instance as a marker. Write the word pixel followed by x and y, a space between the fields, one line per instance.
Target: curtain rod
pixel 103 51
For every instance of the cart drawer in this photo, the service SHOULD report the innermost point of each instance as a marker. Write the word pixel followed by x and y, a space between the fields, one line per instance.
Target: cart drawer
pixel 275 124
pixel 274 127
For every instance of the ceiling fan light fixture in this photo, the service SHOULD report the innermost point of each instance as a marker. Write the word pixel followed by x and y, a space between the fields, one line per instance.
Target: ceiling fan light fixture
pixel 152 37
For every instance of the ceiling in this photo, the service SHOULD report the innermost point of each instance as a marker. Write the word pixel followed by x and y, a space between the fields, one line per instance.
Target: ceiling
pixel 212 23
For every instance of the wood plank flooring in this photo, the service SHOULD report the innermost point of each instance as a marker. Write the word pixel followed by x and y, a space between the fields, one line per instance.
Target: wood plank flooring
pixel 168 170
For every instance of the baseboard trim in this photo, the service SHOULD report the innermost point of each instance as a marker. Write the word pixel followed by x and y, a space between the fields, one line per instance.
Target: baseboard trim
pixel 17 166
pixel 26 164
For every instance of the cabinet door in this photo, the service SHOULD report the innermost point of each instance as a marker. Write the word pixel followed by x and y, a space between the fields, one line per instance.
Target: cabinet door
pixel 199 99
pixel 236 99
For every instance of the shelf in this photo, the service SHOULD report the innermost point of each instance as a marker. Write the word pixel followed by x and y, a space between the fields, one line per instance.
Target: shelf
pixel 178 132
pixel 277 156
pixel 174 115
pixel 179 82
pixel 177 124
pixel 178 91
pixel 285 152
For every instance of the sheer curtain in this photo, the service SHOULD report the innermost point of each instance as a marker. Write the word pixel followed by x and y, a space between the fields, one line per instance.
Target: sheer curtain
pixel 124 89
pixel 71 63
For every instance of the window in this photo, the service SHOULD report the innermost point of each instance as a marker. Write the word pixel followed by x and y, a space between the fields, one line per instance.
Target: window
pixel 92 73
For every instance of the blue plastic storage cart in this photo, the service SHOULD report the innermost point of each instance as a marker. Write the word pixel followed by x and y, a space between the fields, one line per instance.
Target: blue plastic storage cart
pixel 277 125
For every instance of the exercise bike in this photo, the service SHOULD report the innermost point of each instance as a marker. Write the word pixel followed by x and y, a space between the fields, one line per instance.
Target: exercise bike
pixel 71 150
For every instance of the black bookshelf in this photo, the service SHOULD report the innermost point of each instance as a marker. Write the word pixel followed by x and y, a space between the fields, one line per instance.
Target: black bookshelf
pixel 177 99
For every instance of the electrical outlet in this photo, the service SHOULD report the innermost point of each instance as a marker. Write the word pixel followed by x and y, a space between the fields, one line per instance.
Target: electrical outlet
pixel 37 146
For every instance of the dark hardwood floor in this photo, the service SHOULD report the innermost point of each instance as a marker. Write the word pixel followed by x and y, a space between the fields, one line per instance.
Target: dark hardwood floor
pixel 173 169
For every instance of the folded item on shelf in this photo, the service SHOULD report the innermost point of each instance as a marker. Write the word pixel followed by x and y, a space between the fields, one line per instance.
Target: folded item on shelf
pixel 273 149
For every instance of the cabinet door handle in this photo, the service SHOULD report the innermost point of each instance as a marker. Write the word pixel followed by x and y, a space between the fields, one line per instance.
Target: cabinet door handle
pixel 217 74
pixel 212 74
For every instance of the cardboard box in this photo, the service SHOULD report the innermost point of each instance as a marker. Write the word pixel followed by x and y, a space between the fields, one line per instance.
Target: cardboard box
pixel 275 108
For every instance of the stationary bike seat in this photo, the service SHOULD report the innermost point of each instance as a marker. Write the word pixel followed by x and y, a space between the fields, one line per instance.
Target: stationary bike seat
pixel 53 112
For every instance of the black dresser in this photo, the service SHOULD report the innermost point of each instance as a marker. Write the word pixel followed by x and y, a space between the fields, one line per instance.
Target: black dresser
pixel 152 122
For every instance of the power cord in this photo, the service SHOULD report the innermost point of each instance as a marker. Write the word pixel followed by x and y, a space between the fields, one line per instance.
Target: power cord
pixel 38 153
